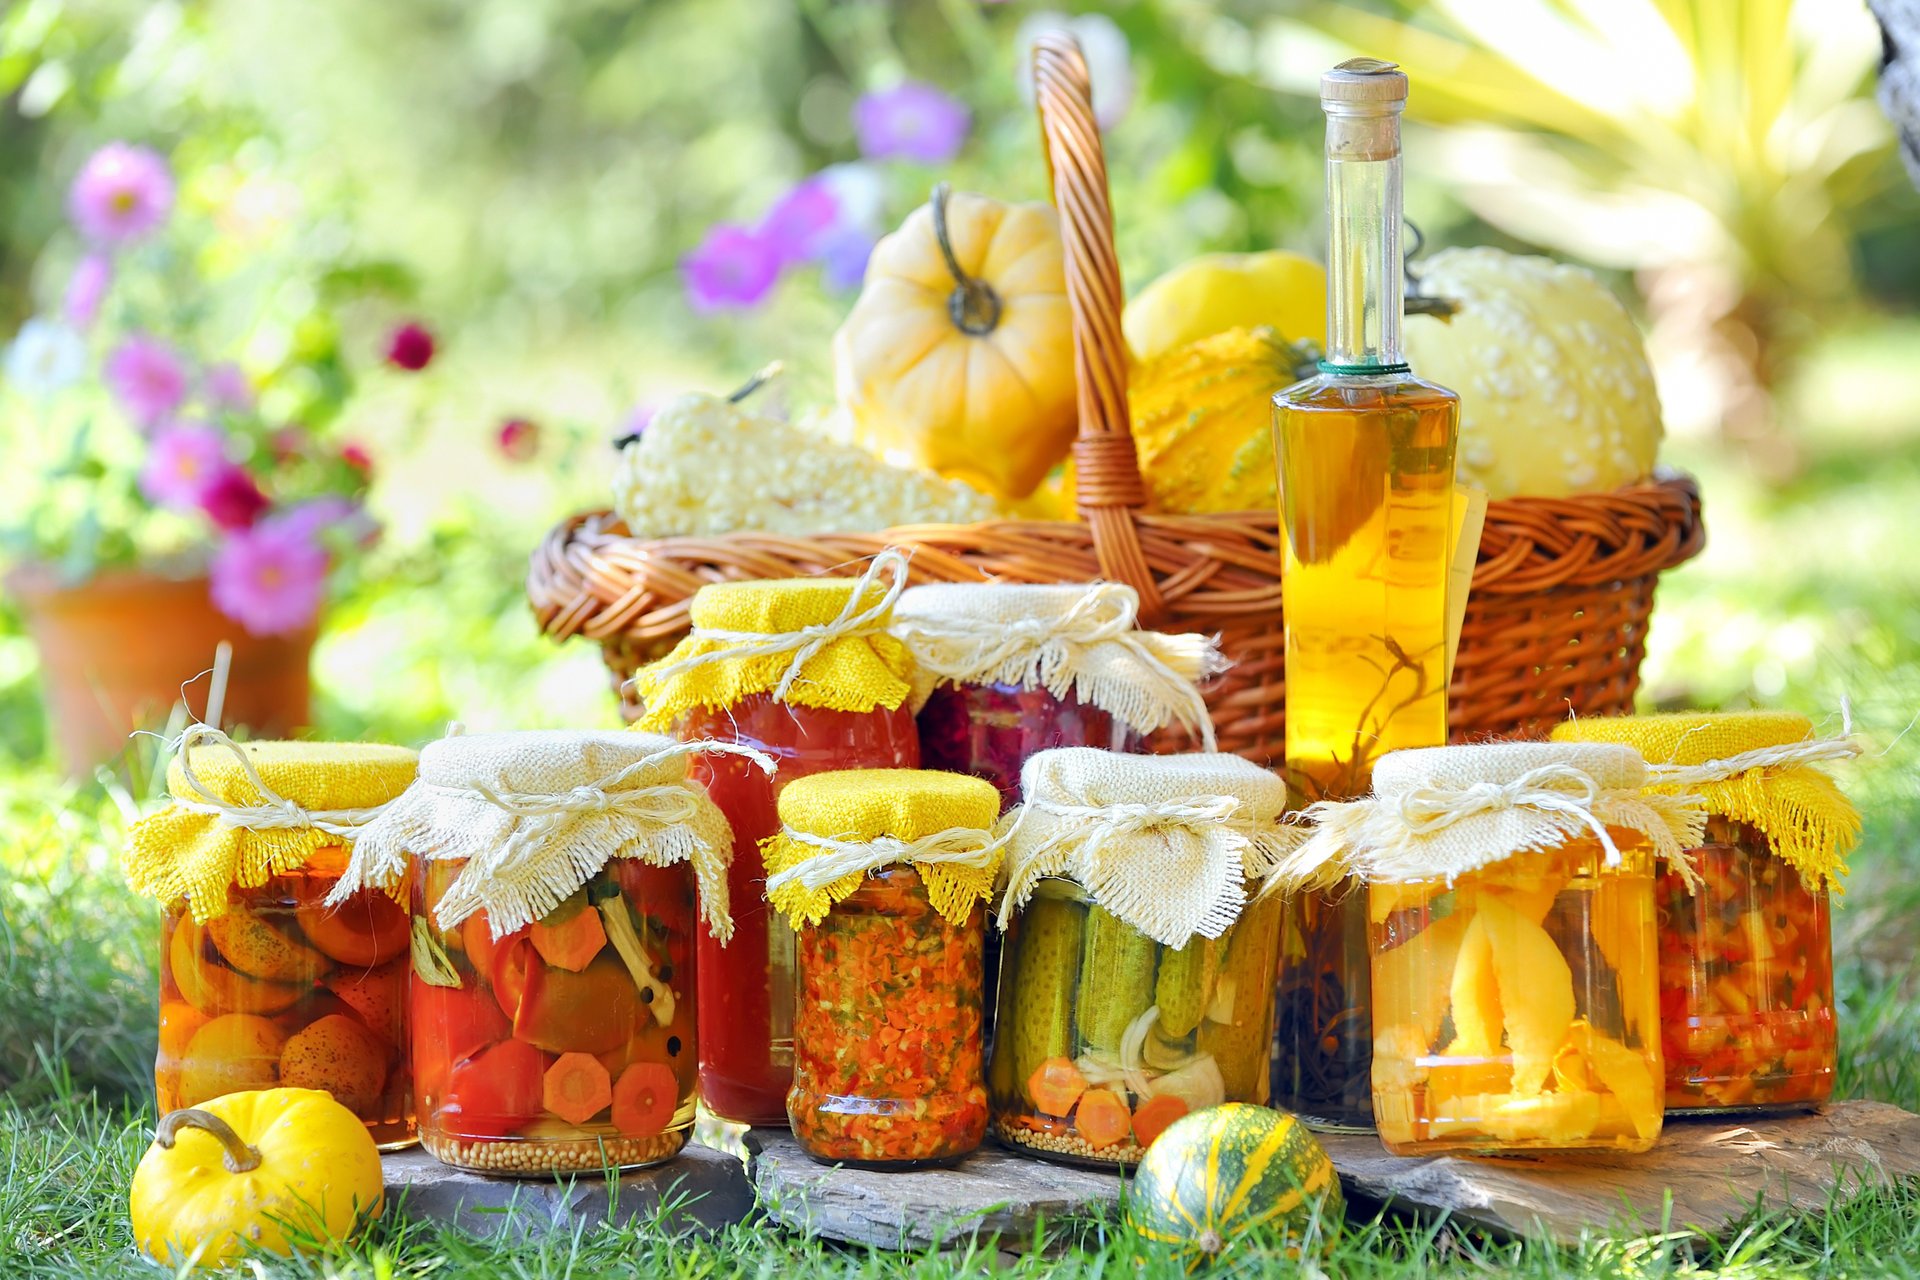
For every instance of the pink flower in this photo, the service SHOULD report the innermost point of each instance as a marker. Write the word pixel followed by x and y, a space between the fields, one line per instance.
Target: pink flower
pixel 734 266
pixel 356 456
pixel 122 194
pixel 148 377
pixel 232 500
pixel 270 578
pixel 410 347
pixel 226 387
pixel 316 515
pixel 912 121
pixel 87 288
pixel 185 459
pixel 801 220
pixel 519 439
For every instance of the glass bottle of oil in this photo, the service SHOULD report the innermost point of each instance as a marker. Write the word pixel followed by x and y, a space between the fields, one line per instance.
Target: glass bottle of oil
pixel 1366 456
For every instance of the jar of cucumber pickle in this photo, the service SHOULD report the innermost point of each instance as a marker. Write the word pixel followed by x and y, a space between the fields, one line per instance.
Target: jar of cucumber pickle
pixel 268 978
pixel 559 880
pixel 1510 918
pixel 803 671
pixel 1137 979
pixel 884 875
pixel 1746 963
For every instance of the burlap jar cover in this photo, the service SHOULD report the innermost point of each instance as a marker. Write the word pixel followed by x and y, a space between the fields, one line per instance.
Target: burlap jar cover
pixel 535 815
pixel 1079 639
pixel 809 642
pixel 837 828
pixel 1168 844
pixel 242 813
pixel 1437 813
pixel 1755 767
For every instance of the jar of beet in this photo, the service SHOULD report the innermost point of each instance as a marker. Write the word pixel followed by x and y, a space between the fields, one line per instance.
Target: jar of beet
pixel 884 875
pixel 803 672
pixel 559 881
pixel 268 977
pixel 1746 949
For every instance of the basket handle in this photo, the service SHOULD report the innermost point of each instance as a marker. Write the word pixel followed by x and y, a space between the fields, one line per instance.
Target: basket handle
pixel 1109 490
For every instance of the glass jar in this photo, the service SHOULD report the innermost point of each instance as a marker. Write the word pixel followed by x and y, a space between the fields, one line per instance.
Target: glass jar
pixel 989 730
pixel 1516 1009
pixel 567 1045
pixel 1322 1055
pixel 281 989
pixel 888 1030
pixel 747 985
pixel 1105 1037
pixel 1746 980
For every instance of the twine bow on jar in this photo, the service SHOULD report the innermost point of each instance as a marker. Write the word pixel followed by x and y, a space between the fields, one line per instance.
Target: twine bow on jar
pixel 1553 788
pixel 274 812
pixel 836 858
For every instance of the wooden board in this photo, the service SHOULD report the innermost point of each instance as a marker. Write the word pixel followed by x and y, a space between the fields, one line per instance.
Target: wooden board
pixel 1717 1172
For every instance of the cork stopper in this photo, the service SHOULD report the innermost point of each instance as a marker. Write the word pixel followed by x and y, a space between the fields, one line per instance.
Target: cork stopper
pixel 1364 85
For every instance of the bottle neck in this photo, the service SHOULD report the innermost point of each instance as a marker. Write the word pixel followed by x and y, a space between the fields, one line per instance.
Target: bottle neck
pixel 1363 249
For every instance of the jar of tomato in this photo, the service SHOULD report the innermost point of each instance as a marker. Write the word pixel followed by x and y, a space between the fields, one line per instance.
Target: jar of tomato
pixel 265 979
pixel 1137 981
pixel 884 875
pixel 1510 909
pixel 803 671
pixel 555 908
pixel 1746 962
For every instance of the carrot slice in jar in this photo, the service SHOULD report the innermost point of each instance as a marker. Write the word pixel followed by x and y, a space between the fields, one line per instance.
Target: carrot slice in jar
pixel 577 1088
pixel 1055 1086
pixel 645 1099
pixel 1152 1117
pixel 1102 1118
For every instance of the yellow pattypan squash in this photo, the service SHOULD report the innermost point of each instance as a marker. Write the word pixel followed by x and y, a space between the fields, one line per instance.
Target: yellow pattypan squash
pixel 959 352
pixel 1220 291
pixel 248 1170
pixel 1556 394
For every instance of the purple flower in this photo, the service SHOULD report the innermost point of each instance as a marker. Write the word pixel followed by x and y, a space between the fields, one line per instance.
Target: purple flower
pixel 913 121
pixel 410 347
pixel 185 459
pixel 843 258
pixel 734 266
pixel 232 500
pixel 122 193
pixel 148 377
pixel 270 578
pixel 87 288
pixel 226 387
pixel 800 222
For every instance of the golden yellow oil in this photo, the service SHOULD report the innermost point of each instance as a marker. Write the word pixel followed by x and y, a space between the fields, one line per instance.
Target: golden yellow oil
pixel 1366 510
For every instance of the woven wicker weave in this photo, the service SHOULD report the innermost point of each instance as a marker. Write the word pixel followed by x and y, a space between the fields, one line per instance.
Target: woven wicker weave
pixel 1556 622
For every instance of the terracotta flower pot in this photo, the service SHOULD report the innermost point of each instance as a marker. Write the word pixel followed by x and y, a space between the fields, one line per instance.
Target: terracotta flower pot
pixel 116 650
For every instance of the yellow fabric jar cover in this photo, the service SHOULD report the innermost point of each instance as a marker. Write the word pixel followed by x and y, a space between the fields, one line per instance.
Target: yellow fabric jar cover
pixel 242 813
pixel 811 642
pixel 835 828
pixel 1755 767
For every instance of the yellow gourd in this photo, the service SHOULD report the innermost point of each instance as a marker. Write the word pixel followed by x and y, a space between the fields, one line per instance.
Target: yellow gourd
pixel 959 352
pixel 1203 420
pixel 1220 291
pixel 254 1171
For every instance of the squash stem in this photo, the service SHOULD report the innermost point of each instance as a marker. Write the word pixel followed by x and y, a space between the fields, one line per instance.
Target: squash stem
pixel 973 305
pixel 240 1156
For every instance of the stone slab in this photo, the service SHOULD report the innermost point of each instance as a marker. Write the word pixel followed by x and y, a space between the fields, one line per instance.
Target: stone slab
pixel 992 1195
pixel 700 1190
pixel 1716 1171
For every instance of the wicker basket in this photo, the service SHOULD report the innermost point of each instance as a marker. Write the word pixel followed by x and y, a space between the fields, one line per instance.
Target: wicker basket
pixel 1556 622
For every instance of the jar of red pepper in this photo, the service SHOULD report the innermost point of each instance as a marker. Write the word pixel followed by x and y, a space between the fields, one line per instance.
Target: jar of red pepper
pixel 884 874
pixel 1746 964
pixel 802 670
pixel 553 959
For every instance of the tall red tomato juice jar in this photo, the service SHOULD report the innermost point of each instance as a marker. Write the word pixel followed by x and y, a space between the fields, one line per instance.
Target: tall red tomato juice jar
pixel 1746 962
pixel 884 875
pixel 267 976
pixel 554 969
pixel 802 670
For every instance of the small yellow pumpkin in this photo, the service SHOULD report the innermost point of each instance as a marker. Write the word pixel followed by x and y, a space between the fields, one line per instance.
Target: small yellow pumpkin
pixel 1220 291
pixel 247 1171
pixel 959 352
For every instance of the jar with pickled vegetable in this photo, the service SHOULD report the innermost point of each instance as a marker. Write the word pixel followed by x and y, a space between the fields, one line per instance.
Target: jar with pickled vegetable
pixel 266 979
pixel 1746 962
pixel 802 670
pixel 1510 909
pixel 555 909
pixel 884 875
pixel 1136 984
